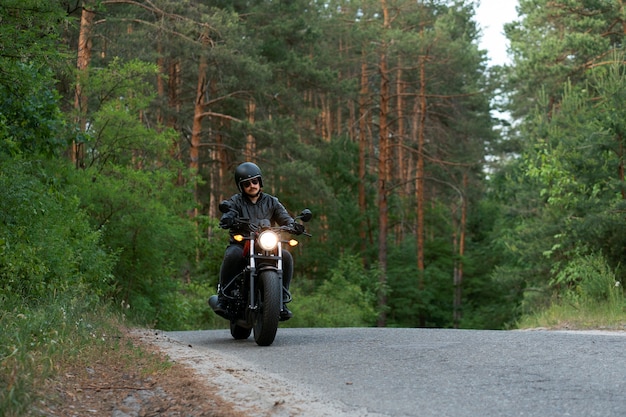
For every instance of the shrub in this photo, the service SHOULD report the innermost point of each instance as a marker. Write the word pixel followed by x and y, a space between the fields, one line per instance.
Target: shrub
pixel 47 246
pixel 346 299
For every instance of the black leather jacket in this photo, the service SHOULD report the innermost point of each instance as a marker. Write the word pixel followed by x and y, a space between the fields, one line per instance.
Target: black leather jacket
pixel 266 207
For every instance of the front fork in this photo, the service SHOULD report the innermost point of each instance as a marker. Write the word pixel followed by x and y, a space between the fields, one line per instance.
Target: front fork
pixel 254 271
pixel 253 277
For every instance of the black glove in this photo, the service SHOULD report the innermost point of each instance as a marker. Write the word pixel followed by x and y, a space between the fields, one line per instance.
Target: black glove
pixel 227 221
pixel 298 228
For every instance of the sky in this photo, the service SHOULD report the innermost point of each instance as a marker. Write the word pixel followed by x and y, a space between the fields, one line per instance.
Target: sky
pixel 491 16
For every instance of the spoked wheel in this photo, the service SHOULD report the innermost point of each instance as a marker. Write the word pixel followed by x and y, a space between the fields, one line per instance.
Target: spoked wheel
pixel 238 332
pixel 268 296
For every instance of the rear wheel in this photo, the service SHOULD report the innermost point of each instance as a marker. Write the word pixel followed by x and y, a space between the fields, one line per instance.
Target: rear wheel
pixel 269 298
pixel 238 332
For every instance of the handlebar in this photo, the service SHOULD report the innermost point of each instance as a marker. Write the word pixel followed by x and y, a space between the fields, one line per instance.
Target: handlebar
pixel 226 206
pixel 253 227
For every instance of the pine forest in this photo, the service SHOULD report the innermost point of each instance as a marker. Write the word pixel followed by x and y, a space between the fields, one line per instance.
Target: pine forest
pixel 446 192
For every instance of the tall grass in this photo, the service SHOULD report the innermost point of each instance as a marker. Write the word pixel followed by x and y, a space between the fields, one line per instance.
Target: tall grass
pixel 587 296
pixel 565 315
pixel 35 340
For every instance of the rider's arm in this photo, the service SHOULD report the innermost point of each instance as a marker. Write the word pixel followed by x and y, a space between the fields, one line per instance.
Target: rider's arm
pixel 281 215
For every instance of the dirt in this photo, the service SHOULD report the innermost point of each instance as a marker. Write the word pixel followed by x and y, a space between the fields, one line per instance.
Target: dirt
pixel 190 382
pixel 123 383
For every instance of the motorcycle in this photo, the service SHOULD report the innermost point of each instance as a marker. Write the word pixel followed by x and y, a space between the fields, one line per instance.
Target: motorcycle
pixel 254 298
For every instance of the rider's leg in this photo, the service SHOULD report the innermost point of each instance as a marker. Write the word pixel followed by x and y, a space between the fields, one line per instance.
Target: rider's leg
pixel 233 263
pixel 286 314
pixel 287 272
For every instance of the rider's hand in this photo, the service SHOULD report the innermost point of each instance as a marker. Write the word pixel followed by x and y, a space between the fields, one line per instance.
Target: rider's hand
pixel 298 228
pixel 226 222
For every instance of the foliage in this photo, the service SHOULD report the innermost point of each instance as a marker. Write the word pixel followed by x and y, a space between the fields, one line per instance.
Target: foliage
pixel 420 300
pixel 29 35
pixel 43 250
pixel 137 212
pixel 555 42
pixel 566 190
pixel 30 48
pixel 216 63
pixel 30 120
pixel 129 188
pixel 303 96
pixel 589 279
pixel 576 163
pixel 561 314
pixel 347 298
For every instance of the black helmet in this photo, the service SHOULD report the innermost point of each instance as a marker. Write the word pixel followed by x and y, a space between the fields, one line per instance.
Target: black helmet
pixel 247 171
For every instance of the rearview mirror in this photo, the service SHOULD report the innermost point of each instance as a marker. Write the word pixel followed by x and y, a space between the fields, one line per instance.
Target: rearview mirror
pixel 225 206
pixel 306 215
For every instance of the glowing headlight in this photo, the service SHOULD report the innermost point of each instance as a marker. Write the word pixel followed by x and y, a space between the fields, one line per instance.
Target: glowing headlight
pixel 268 240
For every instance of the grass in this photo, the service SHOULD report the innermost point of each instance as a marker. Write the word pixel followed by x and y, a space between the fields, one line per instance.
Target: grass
pixel 38 343
pixel 578 315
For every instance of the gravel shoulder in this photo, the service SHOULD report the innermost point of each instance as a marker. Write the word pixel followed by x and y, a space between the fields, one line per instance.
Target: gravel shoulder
pixel 196 382
pixel 245 389
pixel 121 382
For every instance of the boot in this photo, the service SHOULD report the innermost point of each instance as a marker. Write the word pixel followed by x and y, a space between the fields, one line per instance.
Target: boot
pixel 218 306
pixel 286 314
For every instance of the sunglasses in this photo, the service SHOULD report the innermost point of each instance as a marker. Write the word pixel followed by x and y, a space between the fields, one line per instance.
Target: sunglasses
pixel 246 183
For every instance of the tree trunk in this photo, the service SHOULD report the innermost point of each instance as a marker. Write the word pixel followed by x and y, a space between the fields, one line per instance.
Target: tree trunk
pixel 196 130
pixel 363 146
pixel 458 268
pixel 620 169
pixel 250 153
pixel 383 174
pixel 398 168
pixel 420 180
pixel 82 63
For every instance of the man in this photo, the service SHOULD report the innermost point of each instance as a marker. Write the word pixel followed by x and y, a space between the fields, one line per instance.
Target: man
pixel 252 203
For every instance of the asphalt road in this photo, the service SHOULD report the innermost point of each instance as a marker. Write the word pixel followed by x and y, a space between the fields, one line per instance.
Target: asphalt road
pixel 435 372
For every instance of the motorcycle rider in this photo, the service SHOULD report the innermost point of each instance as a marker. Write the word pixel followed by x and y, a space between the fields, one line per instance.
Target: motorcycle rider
pixel 252 203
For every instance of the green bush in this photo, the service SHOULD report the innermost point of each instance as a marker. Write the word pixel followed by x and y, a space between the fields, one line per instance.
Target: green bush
pixel 140 216
pixel 589 279
pixel 30 119
pixel 346 299
pixel 47 246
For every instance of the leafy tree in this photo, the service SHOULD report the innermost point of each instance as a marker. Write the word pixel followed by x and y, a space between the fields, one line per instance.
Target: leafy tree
pixel 568 81
pixel 129 188
pixel 174 87
pixel 579 163
pixel 44 252
pixel 29 39
pixel 30 120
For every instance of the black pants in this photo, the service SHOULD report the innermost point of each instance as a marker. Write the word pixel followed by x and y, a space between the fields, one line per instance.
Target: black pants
pixel 234 262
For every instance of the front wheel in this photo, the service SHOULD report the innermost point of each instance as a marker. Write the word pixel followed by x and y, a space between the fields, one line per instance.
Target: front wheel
pixel 268 297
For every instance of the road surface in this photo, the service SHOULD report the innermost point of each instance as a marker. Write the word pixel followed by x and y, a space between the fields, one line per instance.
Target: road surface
pixel 379 372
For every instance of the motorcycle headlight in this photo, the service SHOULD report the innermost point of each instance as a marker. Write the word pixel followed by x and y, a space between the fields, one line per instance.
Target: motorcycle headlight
pixel 268 240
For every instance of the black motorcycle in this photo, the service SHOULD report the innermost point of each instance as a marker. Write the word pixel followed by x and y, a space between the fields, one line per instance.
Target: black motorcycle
pixel 254 298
